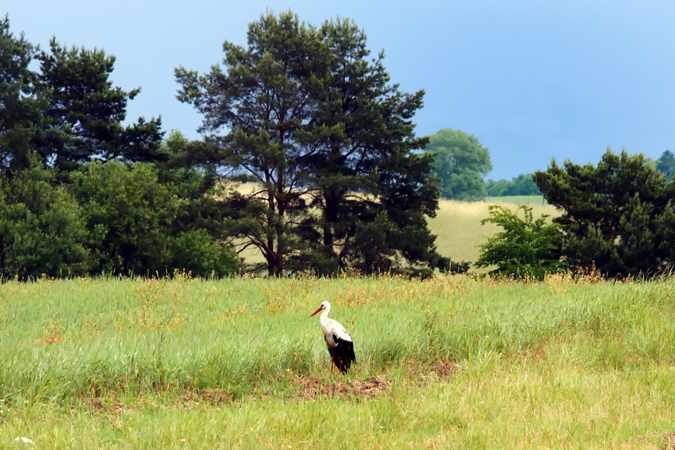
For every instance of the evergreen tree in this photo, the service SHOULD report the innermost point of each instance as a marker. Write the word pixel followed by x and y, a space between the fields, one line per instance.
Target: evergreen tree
pixel 618 216
pixel 20 109
pixel 62 105
pixel 313 123
pixel 85 116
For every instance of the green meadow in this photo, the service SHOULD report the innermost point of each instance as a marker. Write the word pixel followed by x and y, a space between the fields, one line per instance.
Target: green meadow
pixel 451 362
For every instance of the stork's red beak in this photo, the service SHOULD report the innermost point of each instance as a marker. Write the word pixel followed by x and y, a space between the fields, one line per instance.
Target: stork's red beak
pixel 317 311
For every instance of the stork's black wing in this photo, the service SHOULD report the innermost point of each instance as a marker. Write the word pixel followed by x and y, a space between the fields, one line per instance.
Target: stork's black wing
pixel 342 354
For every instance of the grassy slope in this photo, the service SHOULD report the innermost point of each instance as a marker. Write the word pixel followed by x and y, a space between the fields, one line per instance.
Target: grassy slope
pixel 110 363
pixel 457 224
pixel 458 228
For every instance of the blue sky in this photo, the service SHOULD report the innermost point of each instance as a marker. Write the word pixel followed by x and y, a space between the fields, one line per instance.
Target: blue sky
pixel 533 80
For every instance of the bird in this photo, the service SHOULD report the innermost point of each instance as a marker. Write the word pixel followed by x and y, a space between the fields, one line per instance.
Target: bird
pixel 338 341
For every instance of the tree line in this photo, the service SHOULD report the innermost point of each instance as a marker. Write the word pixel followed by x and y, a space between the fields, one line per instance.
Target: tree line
pixel 339 181
pixel 461 163
pixel 305 113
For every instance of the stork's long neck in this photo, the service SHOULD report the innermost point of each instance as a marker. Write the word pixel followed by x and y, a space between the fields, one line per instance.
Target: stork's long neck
pixel 324 316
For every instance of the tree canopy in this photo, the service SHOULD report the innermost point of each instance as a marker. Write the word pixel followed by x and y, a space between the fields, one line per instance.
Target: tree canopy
pixel 521 185
pixel 306 115
pixel 61 105
pixel 460 163
pixel 84 192
pixel 666 164
pixel 619 216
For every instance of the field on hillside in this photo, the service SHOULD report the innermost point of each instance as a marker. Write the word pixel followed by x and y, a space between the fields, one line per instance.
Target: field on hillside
pixel 446 363
pixel 458 228
pixel 457 224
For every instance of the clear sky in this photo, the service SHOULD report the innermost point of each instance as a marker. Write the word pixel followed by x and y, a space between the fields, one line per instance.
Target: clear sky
pixel 533 80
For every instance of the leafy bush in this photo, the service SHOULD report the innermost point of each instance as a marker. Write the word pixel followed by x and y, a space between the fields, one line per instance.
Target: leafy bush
pixel 196 252
pixel 42 231
pixel 525 248
pixel 133 222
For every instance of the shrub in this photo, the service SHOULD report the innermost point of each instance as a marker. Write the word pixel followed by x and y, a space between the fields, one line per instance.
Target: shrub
pixel 133 222
pixel 196 252
pixel 42 231
pixel 525 248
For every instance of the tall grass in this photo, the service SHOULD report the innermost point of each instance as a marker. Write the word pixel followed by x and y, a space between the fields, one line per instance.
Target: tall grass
pixel 68 339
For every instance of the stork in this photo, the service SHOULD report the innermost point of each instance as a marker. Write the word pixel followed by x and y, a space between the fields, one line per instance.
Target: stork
pixel 337 339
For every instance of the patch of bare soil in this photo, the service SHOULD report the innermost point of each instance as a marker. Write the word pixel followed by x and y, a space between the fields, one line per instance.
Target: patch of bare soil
pixel 312 388
pixel 209 396
pixel 444 369
pixel 669 442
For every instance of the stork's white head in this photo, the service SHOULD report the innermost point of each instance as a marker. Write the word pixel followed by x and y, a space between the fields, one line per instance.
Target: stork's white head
pixel 322 307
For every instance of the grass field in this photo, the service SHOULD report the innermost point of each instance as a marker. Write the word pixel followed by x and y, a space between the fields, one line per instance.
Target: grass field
pixel 445 363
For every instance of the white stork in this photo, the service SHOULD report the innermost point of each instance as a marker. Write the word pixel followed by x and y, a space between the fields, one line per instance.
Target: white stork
pixel 337 339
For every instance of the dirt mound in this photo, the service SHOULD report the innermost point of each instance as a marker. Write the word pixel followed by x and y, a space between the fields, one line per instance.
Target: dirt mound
pixel 443 369
pixel 311 388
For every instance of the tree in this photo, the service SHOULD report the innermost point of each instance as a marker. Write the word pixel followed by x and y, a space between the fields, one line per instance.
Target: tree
pixel 260 102
pixel 367 178
pixel 666 164
pixel 62 105
pixel 618 216
pixel 460 163
pixel 525 248
pixel 86 112
pixel 521 185
pixel 302 113
pixel 20 110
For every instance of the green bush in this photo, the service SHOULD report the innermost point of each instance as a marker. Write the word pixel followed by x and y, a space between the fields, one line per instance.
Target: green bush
pixel 196 252
pixel 525 248
pixel 42 231
pixel 132 219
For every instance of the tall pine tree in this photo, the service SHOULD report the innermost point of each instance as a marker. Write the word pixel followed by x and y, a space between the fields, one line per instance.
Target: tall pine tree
pixel 328 141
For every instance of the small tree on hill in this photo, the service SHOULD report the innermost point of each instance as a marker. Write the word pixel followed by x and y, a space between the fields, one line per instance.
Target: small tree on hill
pixel 666 164
pixel 460 163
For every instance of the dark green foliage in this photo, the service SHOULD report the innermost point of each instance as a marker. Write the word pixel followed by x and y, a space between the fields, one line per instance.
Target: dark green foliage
pixel 196 252
pixel 618 216
pixel 61 105
pixel 132 218
pixel 128 213
pixel 261 102
pixel 666 164
pixel 524 248
pixel 303 113
pixel 20 110
pixel 85 113
pixel 460 163
pixel 42 231
pixel 521 185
